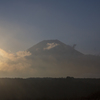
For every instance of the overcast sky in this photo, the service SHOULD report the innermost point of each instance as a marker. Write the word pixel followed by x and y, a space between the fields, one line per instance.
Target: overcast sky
pixel 23 23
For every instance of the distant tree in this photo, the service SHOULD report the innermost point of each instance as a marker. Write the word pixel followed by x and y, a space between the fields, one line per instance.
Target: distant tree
pixel 68 77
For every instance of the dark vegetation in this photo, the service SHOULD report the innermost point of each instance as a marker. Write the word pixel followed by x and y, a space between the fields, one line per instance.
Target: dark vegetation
pixel 68 88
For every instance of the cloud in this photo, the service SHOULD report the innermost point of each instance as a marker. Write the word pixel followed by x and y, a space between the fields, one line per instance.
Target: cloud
pixel 20 65
pixel 17 65
pixel 11 56
pixel 50 46
pixel 17 62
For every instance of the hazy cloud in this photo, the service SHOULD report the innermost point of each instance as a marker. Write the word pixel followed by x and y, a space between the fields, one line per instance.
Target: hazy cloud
pixel 17 65
pixel 50 46
pixel 14 62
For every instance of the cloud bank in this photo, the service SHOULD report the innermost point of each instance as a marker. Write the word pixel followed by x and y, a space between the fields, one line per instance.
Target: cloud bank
pixel 13 63
pixel 19 65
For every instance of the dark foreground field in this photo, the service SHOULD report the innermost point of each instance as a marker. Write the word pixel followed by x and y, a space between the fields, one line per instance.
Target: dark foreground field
pixel 49 89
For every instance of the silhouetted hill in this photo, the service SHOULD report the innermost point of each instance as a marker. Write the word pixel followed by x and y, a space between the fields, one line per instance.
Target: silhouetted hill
pixel 52 58
pixel 53 48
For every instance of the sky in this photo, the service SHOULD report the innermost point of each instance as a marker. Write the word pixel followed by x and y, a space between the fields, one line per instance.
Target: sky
pixel 24 23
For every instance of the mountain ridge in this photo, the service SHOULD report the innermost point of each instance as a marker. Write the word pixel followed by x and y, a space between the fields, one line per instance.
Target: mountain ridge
pixel 54 48
pixel 52 58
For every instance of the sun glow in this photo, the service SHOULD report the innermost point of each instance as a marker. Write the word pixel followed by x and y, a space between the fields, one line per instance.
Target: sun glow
pixel 1 52
pixel 5 55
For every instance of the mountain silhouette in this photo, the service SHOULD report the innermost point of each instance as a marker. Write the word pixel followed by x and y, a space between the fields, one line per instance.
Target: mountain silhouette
pixel 53 48
pixel 52 58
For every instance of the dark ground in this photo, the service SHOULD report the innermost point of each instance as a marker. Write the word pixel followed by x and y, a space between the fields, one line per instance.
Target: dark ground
pixel 49 89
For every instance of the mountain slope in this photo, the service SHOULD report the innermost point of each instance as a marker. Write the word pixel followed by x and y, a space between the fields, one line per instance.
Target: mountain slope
pixel 53 48
pixel 52 58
